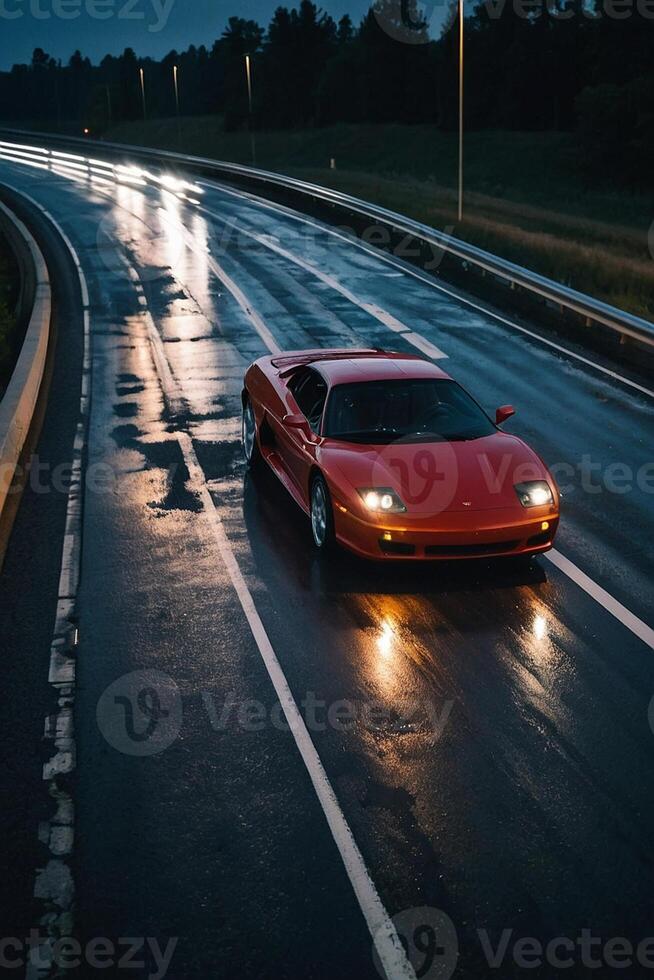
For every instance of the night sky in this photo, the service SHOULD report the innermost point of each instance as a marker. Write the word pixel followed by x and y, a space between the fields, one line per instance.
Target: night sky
pixel 151 27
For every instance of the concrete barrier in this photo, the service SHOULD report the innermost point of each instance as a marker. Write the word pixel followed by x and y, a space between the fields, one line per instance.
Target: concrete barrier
pixel 19 400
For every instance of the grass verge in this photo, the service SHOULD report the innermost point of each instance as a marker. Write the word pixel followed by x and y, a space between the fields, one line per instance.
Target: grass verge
pixel 526 197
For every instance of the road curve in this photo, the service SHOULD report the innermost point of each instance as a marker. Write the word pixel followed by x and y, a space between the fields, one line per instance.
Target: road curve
pixel 484 728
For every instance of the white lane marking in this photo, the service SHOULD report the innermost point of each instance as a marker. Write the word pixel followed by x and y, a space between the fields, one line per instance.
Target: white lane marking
pixel 382 930
pixel 54 884
pixel 387 942
pixel 173 389
pixel 424 345
pixel 238 294
pixel 604 598
pixel 429 281
pixel 170 384
pixel 377 312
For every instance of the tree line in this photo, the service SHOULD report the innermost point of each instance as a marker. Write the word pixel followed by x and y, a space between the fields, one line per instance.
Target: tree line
pixel 566 66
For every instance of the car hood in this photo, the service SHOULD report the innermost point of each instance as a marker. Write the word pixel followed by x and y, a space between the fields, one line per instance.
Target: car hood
pixel 432 477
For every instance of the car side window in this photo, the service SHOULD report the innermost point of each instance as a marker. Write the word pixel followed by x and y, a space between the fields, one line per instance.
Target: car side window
pixel 310 392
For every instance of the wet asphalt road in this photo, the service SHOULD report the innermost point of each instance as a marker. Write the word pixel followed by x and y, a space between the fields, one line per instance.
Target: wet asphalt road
pixel 492 751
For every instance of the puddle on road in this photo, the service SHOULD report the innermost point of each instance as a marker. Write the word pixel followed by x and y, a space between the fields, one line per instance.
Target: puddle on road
pixel 167 457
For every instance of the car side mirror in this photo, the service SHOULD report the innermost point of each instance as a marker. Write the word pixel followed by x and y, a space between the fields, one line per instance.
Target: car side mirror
pixel 503 413
pixel 295 422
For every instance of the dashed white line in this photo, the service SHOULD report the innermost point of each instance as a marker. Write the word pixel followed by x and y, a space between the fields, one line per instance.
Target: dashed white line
pixel 424 345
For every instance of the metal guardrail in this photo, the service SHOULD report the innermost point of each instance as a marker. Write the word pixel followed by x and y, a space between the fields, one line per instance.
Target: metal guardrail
pixel 561 301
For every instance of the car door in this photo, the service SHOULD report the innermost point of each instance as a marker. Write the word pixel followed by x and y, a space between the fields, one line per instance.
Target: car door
pixel 309 391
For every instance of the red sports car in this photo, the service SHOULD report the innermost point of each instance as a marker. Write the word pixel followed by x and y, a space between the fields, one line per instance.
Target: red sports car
pixel 390 457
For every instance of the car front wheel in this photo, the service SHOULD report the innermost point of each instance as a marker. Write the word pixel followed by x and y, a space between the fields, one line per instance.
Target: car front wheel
pixel 322 516
pixel 249 435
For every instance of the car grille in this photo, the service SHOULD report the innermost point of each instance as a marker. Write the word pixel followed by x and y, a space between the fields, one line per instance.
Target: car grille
pixel 453 550
pixel 397 547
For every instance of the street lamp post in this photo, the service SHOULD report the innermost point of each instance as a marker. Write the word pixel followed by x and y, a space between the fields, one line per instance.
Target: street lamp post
pixel 179 125
pixel 461 18
pixel 248 75
pixel 142 78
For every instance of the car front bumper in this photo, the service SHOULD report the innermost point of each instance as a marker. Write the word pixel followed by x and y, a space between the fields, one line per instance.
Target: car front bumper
pixel 448 536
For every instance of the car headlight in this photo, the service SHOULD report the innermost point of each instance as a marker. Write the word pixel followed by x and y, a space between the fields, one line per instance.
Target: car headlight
pixel 536 493
pixel 382 500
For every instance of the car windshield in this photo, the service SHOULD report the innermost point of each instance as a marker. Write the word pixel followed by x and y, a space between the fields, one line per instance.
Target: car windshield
pixel 417 410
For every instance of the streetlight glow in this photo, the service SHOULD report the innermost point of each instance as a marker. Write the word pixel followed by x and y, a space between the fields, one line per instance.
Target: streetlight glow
pixel 248 75
pixel 249 81
pixel 142 78
pixel 176 86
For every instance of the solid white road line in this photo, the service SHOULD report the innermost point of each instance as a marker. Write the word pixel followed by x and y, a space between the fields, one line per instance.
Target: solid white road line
pixel 386 940
pixel 428 280
pixel 255 318
pixel 605 599
pixel 171 385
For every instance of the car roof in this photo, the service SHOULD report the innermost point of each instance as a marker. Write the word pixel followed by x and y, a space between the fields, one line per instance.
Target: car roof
pixel 343 366
pixel 392 367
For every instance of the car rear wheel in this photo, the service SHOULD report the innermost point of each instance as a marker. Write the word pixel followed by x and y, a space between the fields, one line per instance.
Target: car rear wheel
pixel 249 435
pixel 322 516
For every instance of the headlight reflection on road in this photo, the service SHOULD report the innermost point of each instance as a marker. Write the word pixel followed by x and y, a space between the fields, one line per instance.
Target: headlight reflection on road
pixel 383 663
pixel 540 627
pixel 385 640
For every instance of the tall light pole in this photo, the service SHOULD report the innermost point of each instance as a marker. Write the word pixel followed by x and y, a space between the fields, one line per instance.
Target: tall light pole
pixel 179 125
pixel 142 78
pixel 461 18
pixel 248 75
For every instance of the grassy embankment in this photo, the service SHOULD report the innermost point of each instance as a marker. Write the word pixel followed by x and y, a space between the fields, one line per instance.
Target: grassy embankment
pixel 526 198
pixel 8 294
